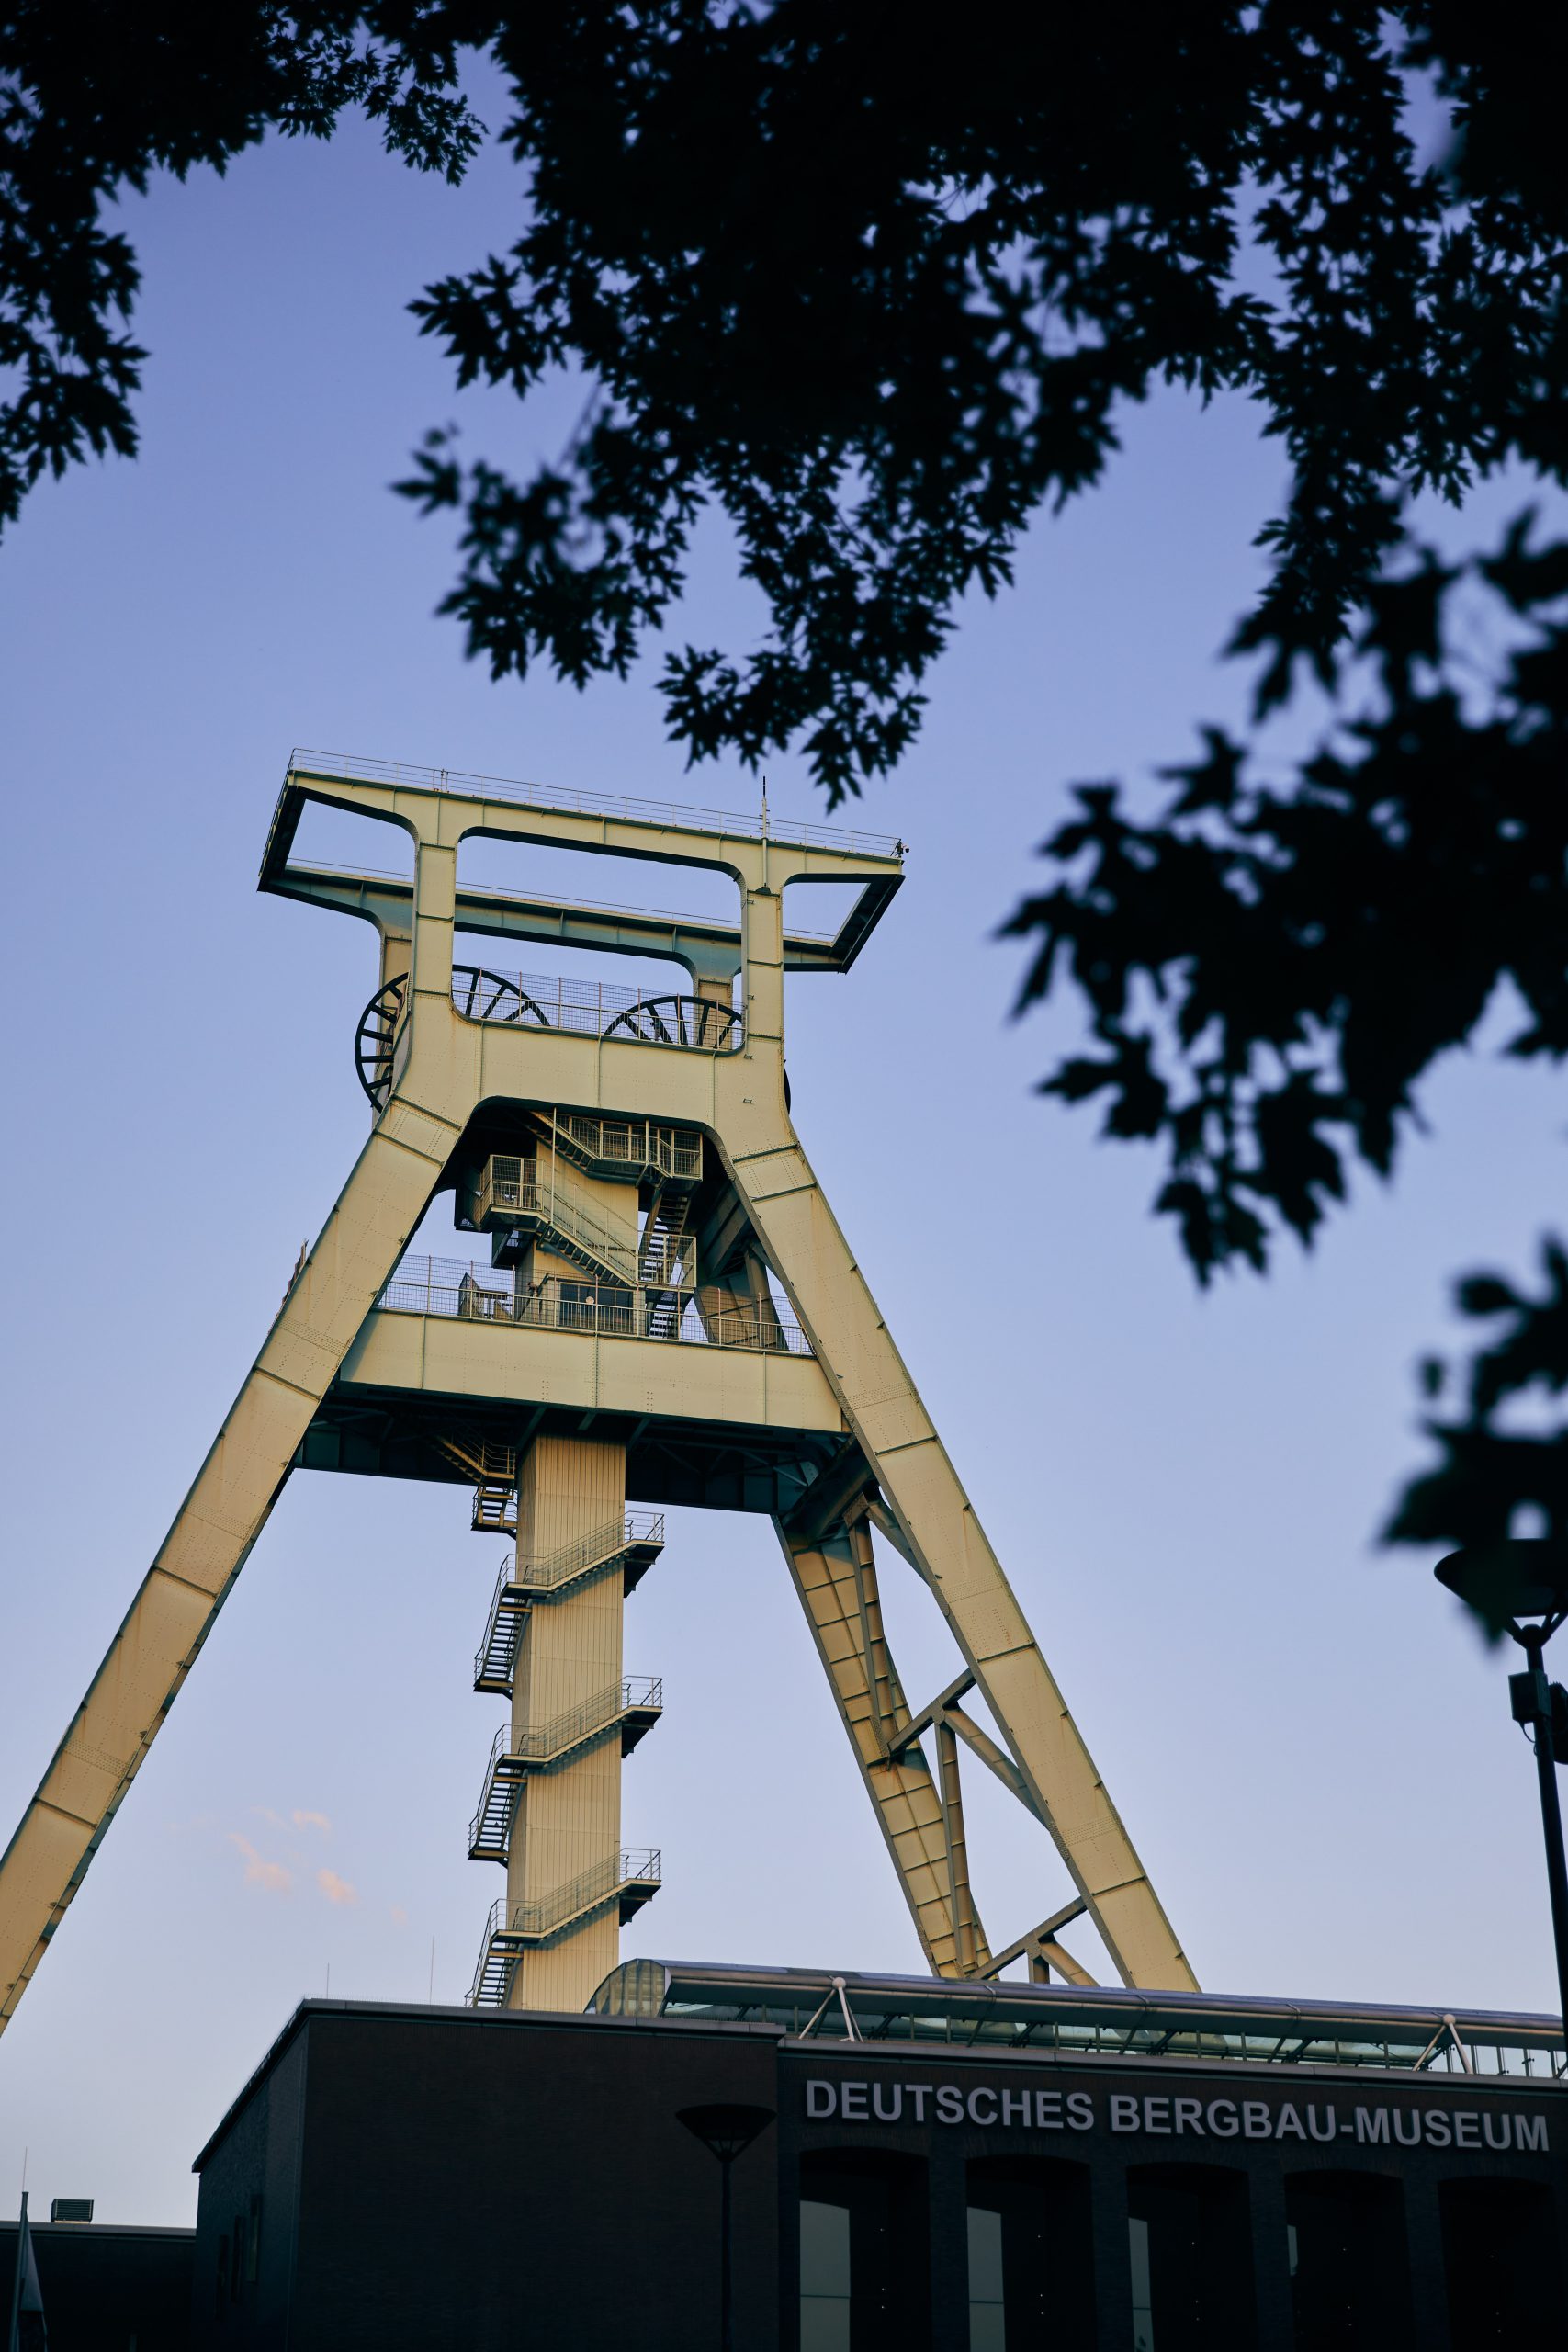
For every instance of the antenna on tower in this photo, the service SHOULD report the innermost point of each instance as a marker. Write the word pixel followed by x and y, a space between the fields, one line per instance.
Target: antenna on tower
pixel 764 808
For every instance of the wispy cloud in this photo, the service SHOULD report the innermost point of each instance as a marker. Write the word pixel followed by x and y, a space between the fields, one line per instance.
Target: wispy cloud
pixel 312 1821
pixel 399 1916
pixel 336 1889
pixel 258 1872
pixel 265 1813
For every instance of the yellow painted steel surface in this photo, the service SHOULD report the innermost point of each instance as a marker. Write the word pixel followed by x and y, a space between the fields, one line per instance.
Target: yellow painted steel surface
pixel 516 1363
pixel 854 1386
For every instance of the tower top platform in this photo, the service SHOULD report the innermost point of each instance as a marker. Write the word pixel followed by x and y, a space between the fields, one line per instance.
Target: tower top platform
pixel 447 806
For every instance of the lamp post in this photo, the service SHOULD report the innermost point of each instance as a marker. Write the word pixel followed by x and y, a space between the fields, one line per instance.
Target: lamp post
pixel 1506 1584
pixel 725 2132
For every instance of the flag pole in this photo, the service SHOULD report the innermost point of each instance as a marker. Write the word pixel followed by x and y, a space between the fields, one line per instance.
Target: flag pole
pixel 17 2279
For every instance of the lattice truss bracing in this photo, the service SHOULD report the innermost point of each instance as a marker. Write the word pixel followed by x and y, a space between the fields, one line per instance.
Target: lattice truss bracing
pixel 670 1315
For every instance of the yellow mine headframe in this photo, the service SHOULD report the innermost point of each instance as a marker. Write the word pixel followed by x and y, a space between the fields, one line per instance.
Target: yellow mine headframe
pixel 670 1315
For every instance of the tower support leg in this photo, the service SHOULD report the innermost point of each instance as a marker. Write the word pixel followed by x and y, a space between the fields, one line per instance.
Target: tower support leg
pixel 568 1824
pixel 836 1578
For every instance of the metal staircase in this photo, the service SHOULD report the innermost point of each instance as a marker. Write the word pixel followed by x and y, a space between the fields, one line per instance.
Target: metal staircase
pixel 518 1203
pixel 667 1262
pixel 630 1708
pixel 628 1878
pixel 628 1151
pixel 630 1544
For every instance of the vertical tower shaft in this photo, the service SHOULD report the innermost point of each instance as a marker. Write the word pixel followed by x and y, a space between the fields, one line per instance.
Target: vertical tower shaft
pixel 566 1832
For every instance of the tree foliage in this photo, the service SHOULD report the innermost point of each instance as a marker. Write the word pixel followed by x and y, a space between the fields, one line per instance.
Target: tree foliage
pixel 95 97
pixel 1269 969
pixel 877 291
pixel 878 295
pixel 1498 1448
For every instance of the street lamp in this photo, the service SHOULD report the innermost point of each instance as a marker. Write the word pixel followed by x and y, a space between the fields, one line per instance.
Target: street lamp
pixel 725 2132
pixel 1506 1584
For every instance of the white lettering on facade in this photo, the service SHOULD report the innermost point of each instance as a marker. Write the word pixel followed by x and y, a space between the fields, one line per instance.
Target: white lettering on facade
pixel 996 2106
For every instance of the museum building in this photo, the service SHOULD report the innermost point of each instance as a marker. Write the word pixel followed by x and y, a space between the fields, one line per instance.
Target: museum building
pixel 936 2166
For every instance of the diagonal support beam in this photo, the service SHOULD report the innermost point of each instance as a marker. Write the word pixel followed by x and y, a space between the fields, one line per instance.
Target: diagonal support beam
pixel 944 1710
pixel 1043 1938
pixel 173 1613
pixel 972 1950
pixel 921 1495
pixel 839 1593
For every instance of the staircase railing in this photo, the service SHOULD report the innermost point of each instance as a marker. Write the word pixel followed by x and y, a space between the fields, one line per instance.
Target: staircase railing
pixel 638 1865
pixel 634 1143
pixel 570 1560
pixel 633 1866
pixel 541 1741
pixel 514 1184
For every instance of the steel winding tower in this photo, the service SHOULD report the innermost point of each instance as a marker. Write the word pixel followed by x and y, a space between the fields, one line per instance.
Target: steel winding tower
pixel 646 1201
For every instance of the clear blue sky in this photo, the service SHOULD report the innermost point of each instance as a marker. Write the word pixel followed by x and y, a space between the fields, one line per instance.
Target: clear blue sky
pixel 1314 1757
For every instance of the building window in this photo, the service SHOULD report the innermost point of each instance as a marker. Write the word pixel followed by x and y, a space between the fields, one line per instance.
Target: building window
pixel 1031 2259
pixel 864 2253
pixel 1502 2264
pixel 253 2243
pixel 1142 2293
pixel 1349 2269
pixel 987 2304
pixel 824 2277
pixel 1189 2259
pixel 222 2296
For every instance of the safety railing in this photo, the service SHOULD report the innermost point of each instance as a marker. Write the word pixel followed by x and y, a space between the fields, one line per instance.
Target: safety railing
pixel 633 1866
pixel 493 1969
pixel 602 1310
pixel 514 1186
pixel 595 1009
pixel 668 815
pixel 634 1143
pixel 559 1566
pixel 504 1936
pixel 539 1742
